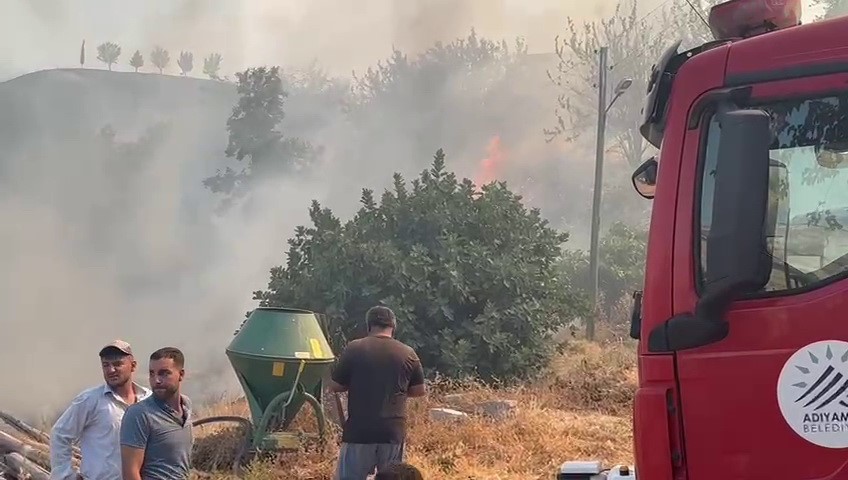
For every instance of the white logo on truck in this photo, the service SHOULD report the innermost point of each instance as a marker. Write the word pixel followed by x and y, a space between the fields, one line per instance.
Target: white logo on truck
pixel 812 392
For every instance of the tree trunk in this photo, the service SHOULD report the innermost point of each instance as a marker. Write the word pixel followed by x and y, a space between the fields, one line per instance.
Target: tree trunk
pixel 27 430
pixel 17 462
pixel 36 453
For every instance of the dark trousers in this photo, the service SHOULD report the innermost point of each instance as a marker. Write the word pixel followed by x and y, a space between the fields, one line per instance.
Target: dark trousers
pixel 358 460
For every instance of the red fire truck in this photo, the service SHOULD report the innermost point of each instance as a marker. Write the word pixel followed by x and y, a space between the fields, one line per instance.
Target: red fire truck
pixel 743 320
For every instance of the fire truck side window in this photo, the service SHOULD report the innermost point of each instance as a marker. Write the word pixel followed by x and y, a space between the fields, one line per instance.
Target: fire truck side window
pixel 808 192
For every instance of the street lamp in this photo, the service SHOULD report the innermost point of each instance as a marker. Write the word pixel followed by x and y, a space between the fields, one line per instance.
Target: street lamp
pixel 603 108
pixel 619 90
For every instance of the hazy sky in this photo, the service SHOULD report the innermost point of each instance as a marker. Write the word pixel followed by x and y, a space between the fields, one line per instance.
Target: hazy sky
pixel 37 34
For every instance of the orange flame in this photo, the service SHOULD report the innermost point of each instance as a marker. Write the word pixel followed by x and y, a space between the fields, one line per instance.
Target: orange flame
pixel 491 166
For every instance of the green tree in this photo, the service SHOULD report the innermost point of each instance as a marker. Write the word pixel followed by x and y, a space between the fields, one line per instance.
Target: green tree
pixel 254 134
pixel 137 61
pixel 621 268
pixel 472 276
pixel 212 65
pixel 186 62
pixel 160 58
pixel 108 53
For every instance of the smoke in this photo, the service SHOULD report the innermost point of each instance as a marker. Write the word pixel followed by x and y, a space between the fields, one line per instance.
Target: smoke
pixel 105 237
pixel 342 35
pixel 109 233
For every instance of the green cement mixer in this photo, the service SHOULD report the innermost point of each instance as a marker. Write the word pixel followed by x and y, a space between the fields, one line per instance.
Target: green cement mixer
pixel 280 356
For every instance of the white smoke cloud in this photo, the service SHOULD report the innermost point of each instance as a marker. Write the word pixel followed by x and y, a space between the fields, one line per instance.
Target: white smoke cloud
pixel 166 270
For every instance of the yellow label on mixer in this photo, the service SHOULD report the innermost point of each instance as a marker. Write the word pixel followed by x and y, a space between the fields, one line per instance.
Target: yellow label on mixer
pixel 316 348
pixel 278 369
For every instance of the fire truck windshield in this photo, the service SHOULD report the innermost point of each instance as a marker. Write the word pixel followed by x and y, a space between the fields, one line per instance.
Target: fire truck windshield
pixel 808 191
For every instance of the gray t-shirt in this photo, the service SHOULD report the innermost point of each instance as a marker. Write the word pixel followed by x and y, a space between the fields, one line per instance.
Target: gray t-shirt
pixel 165 437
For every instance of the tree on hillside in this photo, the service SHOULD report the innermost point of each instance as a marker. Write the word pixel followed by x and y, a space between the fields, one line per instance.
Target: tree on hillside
pixel 82 54
pixel 212 65
pixel 481 61
pixel 186 62
pixel 108 53
pixel 471 276
pixel 254 134
pixel 137 61
pixel 456 95
pixel 160 58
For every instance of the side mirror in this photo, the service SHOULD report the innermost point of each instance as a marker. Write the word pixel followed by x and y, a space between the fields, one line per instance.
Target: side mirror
pixel 737 258
pixel 644 178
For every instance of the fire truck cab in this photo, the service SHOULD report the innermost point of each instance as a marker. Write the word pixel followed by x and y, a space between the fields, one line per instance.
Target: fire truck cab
pixel 743 319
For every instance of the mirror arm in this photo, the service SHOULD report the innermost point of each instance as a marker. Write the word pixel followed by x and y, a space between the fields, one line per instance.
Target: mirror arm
pixel 706 326
pixel 715 302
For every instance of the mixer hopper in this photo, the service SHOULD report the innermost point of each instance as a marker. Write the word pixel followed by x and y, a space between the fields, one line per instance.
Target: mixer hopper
pixel 280 356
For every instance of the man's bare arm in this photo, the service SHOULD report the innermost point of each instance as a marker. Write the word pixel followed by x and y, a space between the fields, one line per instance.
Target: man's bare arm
pixel 131 460
pixel 135 432
pixel 416 391
pixel 340 376
pixel 337 387
pixel 416 380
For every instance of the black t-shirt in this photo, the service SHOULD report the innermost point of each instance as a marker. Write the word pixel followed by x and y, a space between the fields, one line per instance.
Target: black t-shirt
pixel 378 372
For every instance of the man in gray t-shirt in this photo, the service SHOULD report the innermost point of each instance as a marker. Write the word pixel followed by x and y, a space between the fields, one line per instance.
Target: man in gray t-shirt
pixel 156 436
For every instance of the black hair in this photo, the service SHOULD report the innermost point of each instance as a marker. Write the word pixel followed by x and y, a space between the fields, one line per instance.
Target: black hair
pixel 380 316
pixel 399 471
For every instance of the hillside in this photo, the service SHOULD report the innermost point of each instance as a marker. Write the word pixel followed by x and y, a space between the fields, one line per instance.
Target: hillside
pixel 93 97
pixel 101 234
pixel 51 110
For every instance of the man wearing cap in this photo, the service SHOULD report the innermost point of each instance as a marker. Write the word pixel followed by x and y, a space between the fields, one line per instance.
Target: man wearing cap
pixel 379 373
pixel 94 420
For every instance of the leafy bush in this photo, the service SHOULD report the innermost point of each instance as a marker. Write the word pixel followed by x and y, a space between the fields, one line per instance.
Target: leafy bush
pixel 472 275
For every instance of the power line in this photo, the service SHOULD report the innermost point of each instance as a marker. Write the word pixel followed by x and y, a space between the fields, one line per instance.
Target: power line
pixel 660 34
pixel 653 10
pixel 640 21
pixel 698 13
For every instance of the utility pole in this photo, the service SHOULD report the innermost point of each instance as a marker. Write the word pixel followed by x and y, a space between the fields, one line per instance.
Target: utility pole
pixel 596 192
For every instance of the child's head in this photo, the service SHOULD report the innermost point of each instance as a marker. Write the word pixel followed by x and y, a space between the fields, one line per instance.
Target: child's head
pixel 399 471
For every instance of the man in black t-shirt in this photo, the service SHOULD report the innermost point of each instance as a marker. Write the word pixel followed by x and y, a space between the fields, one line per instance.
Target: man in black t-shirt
pixel 379 373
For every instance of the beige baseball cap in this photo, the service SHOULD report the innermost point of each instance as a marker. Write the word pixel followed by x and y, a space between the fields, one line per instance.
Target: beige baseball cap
pixel 120 345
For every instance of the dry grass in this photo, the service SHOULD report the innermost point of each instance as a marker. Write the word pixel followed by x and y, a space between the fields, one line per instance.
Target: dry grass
pixel 579 409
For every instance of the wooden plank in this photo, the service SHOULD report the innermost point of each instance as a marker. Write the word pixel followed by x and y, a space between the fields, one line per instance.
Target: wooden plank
pixel 32 432
pixel 37 453
pixel 18 463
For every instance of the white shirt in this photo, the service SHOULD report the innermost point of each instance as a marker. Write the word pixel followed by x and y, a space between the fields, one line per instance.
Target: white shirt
pixel 94 421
